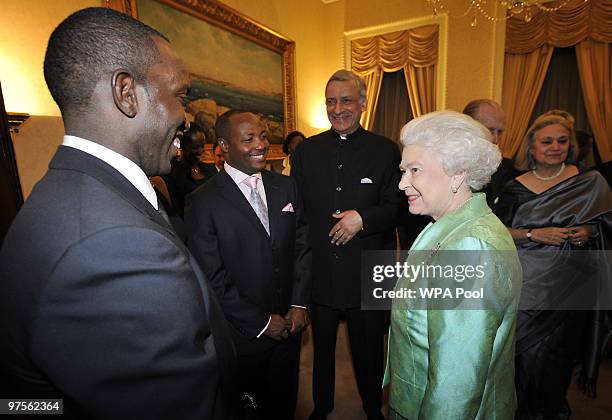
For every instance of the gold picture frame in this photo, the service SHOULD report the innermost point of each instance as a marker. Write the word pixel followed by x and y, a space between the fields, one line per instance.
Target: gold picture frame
pixel 227 19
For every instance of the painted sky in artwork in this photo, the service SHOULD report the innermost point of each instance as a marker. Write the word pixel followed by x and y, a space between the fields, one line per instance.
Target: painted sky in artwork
pixel 213 52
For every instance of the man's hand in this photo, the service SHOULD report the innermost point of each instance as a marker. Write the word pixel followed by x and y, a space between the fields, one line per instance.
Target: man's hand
pixel 299 319
pixel 278 328
pixel 350 223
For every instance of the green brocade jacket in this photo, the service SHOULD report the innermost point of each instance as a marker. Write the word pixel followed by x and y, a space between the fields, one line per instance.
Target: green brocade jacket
pixel 458 363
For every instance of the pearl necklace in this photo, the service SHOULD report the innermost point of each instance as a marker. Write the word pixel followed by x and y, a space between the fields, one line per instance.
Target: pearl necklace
pixel 548 178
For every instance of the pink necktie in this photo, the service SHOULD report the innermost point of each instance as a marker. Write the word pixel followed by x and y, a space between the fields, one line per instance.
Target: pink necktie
pixel 257 203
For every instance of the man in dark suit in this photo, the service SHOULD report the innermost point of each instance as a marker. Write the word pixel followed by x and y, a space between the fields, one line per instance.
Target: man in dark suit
pixel 490 114
pixel 246 228
pixel 100 303
pixel 218 156
pixel 348 178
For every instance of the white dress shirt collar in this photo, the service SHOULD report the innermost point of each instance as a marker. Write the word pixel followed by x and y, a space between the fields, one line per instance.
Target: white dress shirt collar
pixel 238 177
pixel 125 166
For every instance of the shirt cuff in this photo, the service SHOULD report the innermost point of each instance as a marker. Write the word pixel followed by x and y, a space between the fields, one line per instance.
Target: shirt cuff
pixel 265 328
pixel 298 306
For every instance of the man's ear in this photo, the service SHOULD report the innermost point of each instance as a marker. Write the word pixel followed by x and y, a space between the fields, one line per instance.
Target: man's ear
pixel 223 144
pixel 362 104
pixel 124 92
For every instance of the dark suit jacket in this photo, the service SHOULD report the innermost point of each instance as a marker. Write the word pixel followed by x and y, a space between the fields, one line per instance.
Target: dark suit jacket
pixel 253 274
pixel 277 166
pixel 505 172
pixel 102 305
pixel 360 173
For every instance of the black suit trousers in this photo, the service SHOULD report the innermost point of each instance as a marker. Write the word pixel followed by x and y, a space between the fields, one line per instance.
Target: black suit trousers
pixel 272 377
pixel 366 331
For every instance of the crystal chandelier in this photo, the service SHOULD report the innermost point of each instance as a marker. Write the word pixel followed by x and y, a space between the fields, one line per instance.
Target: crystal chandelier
pixel 512 8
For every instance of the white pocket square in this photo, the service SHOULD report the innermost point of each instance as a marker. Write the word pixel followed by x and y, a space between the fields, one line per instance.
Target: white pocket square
pixel 289 208
pixel 365 181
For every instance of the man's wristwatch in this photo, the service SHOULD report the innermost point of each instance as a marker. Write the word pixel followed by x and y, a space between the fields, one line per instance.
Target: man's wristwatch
pixel 528 235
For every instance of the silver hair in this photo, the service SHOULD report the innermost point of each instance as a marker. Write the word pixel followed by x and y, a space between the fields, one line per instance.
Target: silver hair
pixel 459 142
pixel 524 159
pixel 346 75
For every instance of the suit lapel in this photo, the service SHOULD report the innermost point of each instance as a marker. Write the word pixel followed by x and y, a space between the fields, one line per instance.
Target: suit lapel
pixel 273 200
pixel 230 191
pixel 69 158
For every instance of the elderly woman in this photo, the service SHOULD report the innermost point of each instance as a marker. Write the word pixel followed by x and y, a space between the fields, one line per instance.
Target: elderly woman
pixel 550 211
pixel 454 363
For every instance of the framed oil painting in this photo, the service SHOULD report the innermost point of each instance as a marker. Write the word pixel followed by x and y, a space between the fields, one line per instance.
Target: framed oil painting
pixel 233 62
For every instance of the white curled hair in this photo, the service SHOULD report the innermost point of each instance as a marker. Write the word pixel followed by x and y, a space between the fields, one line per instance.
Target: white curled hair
pixel 459 142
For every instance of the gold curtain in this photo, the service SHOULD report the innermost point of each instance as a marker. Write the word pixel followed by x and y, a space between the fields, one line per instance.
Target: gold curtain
pixel 594 66
pixel 567 26
pixel 372 81
pixel 415 51
pixel 584 24
pixel 421 83
pixel 523 78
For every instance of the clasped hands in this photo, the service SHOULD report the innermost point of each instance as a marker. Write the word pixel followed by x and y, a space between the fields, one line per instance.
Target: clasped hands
pixel 280 327
pixel 350 223
pixel 577 235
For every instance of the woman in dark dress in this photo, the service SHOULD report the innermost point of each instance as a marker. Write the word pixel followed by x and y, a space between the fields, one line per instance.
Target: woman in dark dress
pixel 188 172
pixel 551 211
pixel 289 145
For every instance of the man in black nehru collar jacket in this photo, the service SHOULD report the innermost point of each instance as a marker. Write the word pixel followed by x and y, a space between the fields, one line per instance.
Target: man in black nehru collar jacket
pixel 348 178
pixel 101 305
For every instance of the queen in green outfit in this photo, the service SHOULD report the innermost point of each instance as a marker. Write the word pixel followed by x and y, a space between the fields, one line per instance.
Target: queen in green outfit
pixel 454 362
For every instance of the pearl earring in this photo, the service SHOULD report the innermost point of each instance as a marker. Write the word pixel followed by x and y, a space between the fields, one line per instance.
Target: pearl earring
pixel 454 190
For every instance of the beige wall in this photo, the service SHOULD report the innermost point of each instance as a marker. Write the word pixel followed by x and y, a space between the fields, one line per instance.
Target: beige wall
pixel 35 144
pixel 473 53
pixel 25 28
pixel 24 31
pixel 474 61
pixel 317 30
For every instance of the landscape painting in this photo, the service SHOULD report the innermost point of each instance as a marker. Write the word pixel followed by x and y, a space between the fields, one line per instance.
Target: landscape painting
pixel 227 70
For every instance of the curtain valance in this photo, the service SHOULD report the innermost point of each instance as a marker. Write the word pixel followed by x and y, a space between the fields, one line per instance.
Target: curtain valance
pixel 393 51
pixel 570 25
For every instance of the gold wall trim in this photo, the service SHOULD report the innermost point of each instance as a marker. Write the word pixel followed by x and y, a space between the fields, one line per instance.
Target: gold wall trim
pixel 440 20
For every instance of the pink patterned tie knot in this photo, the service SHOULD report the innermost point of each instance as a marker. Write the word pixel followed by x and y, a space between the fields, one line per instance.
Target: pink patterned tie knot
pixel 251 182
